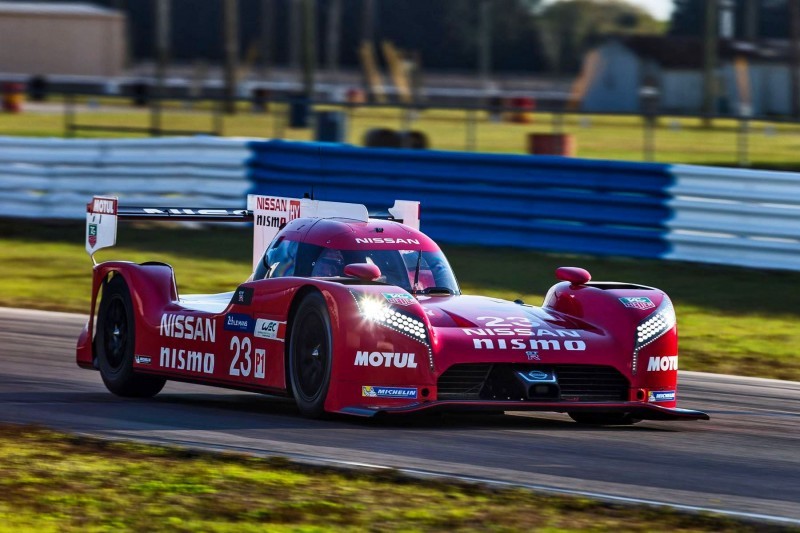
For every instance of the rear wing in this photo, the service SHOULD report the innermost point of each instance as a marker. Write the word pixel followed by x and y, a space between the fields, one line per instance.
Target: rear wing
pixel 267 213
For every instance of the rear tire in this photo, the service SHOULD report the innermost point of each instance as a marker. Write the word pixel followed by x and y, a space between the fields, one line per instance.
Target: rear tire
pixel 310 355
pixel 115 342
pixel 604 419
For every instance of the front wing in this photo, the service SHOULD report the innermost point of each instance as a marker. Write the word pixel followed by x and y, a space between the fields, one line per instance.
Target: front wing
pixel 642 411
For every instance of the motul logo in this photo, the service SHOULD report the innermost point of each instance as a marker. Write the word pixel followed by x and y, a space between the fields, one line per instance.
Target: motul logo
pixel 104 206
pixel 386 359
pixel 659 364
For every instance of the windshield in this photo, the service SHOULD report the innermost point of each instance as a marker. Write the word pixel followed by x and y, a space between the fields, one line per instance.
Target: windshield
pixel 398 267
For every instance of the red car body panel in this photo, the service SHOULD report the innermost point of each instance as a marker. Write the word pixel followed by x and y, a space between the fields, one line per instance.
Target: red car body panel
pixel 239 339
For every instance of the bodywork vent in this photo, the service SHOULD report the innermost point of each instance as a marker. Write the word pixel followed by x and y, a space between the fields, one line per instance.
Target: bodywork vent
pixel 486 381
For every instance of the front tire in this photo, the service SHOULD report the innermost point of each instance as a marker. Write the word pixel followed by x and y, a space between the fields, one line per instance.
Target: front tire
pixel 310 355
pixel 604 419
pixel 115 342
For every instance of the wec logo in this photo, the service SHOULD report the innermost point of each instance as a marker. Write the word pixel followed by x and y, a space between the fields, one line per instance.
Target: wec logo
pixel 385 359
pixel 662 364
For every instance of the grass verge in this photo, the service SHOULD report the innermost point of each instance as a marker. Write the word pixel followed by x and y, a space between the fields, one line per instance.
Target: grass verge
pixel 57 482
pixel 731 320
pixel 677 139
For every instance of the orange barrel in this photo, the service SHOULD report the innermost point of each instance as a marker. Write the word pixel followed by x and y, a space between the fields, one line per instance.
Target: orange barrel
pixel 13 97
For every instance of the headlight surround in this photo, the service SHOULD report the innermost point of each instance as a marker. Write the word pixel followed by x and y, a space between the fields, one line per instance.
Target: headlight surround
pixel 656 325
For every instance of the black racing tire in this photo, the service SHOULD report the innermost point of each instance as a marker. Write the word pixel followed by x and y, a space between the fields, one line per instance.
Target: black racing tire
pixel 115 343
pixel 604 419
pixel 310 355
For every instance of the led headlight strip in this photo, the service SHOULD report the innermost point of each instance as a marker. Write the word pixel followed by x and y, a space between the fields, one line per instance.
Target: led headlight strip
pixel 653 327
pixel 376 310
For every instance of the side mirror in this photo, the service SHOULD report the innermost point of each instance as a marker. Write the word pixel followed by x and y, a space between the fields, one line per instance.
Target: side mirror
pixel 364 271
pixel 575 275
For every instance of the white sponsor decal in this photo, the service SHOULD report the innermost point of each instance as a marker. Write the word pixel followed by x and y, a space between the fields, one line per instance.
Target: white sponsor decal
pixel 528 345
pixel 261 363
pixel 188 327
pixel 527 332
pixel 142 359
pixel 104 206
pixel 182 211
pixel 664 363
pixel 532 343
pixel 385 359
pixel 188 360
pixel 266 329
pixel 385 240
pixel 661 396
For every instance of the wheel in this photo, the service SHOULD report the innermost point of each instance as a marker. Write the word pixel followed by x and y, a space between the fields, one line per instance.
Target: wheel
pixel 310 358
pixel 604 419
pixel 115 341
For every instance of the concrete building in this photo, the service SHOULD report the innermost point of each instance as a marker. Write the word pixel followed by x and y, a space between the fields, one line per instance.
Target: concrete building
pixel 65 39
pixel 674 65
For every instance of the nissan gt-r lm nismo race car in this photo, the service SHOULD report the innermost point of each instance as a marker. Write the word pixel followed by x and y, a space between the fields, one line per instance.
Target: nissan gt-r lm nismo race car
pixel 348 313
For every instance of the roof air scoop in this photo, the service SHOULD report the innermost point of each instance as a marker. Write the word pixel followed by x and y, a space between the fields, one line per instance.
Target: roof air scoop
pixel 576 276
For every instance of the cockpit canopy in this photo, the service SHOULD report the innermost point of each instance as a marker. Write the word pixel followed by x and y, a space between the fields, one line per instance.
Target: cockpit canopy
pixel 287 257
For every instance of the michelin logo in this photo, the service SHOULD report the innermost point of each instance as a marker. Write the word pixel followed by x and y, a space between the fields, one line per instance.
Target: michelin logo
pixel 388 392
pixel 662 396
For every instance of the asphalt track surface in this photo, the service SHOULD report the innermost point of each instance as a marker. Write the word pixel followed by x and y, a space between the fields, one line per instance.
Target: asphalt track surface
pixel 746 459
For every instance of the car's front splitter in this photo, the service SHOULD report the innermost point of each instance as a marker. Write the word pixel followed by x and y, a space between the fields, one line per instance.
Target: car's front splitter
pixel 640 410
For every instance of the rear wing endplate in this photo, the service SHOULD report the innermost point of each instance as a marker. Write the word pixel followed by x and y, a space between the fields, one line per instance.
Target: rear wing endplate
pixel 267 213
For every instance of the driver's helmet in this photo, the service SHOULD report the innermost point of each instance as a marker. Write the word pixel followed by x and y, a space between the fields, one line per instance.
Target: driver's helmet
pixel 330 263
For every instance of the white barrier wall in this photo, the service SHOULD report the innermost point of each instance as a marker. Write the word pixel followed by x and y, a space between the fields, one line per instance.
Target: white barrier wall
pixel 718 215
pixel 55 178
pixel 735 217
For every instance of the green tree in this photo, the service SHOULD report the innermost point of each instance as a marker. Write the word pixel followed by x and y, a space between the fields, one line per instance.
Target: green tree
pixel 569 28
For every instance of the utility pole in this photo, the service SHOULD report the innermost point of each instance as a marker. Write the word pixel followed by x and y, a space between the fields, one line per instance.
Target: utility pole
pixel 267 35
pixel 334 33
pixel 794 54
pixel 309 47
pixel 231 33
pixel 710 63
pixel 368 21
pixel 295 29
pixel 485 48
pixel 162 57
pixel 751 21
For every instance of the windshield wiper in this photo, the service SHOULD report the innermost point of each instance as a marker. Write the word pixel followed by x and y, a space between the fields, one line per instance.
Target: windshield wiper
pixel 416 273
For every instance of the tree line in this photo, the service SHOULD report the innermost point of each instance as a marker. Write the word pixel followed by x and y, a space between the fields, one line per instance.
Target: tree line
pixel 529 36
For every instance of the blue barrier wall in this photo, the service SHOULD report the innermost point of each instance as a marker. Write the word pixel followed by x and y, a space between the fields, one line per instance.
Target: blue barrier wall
pixel 542 202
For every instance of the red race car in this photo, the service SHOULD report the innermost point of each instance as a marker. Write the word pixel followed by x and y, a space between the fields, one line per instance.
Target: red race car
pixel 359 314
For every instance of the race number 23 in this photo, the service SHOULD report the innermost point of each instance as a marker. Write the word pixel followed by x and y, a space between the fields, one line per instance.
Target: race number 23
pixel 241 364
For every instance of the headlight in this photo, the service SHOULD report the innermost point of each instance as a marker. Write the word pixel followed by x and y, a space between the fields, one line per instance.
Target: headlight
pixel 654 327
pixel 374 310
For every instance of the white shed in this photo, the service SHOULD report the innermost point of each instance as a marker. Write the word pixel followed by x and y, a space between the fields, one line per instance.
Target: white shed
pixel 65 39
pixel 674 65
